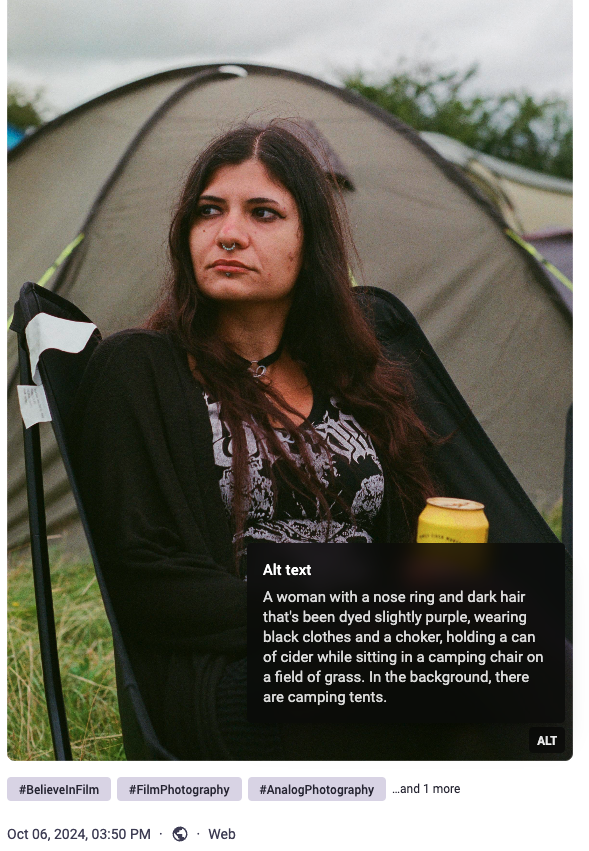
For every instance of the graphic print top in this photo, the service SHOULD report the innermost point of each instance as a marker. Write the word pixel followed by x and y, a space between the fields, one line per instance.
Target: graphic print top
pixel 356 480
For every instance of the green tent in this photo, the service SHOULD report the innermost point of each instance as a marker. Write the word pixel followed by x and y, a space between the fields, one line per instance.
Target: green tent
pixel 112 168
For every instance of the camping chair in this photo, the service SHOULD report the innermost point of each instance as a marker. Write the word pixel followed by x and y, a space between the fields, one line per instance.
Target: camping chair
pixel 468 464
pixel 60 373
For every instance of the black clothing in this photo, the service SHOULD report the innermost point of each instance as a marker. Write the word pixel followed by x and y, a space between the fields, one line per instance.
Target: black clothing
pixel 244 740
pixel 144 462
pixel 143 458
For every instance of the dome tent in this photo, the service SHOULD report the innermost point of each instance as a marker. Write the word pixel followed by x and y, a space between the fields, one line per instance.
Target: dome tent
pixel 112 169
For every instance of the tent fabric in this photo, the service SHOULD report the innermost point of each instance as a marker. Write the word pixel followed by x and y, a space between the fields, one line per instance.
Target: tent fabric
pixel 556 246
pixel 527 199
pixel 114 167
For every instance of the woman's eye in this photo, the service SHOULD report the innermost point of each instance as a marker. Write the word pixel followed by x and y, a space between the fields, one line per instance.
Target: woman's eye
pixel 265 214
pixel 207 210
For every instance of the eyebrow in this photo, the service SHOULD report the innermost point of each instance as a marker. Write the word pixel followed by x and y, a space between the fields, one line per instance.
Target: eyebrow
pixel 218 200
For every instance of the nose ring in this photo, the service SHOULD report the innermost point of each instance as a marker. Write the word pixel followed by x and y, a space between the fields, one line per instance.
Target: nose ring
pixel 228 247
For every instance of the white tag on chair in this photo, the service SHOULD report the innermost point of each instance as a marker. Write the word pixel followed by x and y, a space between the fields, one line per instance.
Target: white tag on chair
pixel 33 404
pixel 49 332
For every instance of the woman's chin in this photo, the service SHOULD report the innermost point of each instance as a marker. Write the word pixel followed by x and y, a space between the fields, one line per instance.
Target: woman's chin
pixel 227 288
pixel 239 292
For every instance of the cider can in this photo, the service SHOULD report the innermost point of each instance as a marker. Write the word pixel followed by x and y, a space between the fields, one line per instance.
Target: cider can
pixel 446 520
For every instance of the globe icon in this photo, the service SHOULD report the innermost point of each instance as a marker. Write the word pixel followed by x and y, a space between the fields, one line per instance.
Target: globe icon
pixel 180 834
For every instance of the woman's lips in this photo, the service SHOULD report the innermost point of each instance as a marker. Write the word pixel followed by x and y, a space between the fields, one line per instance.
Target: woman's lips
pixel 230 266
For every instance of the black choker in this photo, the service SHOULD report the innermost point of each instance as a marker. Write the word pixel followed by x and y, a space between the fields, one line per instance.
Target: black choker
pixel 258 368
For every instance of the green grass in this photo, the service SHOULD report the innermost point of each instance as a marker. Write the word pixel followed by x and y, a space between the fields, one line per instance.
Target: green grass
pixel 554 519
pixel 86 660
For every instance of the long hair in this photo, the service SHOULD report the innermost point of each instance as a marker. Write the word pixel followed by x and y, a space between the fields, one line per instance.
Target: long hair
pixel 325 331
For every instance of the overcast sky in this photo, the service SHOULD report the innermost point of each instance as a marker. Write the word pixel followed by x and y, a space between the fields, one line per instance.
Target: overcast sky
pixel 77 49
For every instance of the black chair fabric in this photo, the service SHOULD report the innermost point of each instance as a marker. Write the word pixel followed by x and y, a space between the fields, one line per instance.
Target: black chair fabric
pixel 468 464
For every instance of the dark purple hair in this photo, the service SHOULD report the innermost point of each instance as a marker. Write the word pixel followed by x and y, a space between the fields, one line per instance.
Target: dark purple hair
pixel 325 330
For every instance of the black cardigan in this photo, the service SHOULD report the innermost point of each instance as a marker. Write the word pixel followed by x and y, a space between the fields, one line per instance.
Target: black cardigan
pixel 145 467
pixel 144 463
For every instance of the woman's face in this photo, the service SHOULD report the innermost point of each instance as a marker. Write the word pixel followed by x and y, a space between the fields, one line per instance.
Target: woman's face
pixel 243 206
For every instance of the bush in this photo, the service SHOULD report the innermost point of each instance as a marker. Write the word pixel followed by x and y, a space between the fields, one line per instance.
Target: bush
pixel 536 133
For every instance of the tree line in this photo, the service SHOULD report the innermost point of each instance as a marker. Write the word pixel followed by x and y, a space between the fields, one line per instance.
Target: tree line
pixel 534 132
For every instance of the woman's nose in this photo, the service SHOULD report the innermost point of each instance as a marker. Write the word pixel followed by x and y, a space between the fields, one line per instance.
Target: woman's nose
pixel 233 232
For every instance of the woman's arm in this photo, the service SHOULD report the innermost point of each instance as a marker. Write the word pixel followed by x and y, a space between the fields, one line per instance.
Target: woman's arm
pixel 156 517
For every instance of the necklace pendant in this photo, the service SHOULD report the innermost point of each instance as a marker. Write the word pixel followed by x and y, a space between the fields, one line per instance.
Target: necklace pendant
pixel 258 371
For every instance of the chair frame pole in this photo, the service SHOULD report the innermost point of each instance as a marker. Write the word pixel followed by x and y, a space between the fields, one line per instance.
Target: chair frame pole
pixel 42 578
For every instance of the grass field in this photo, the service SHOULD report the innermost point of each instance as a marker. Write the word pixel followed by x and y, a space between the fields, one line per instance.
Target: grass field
pixel 86 658
pixel 554 519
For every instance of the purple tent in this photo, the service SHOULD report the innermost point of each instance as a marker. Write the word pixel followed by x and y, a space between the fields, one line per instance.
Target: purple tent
pixel 556 245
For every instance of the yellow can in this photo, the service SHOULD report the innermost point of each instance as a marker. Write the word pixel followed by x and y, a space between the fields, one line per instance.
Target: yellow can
pixel 446 520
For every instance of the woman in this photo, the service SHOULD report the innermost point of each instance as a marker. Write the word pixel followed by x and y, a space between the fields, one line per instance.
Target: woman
pixel 256 405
